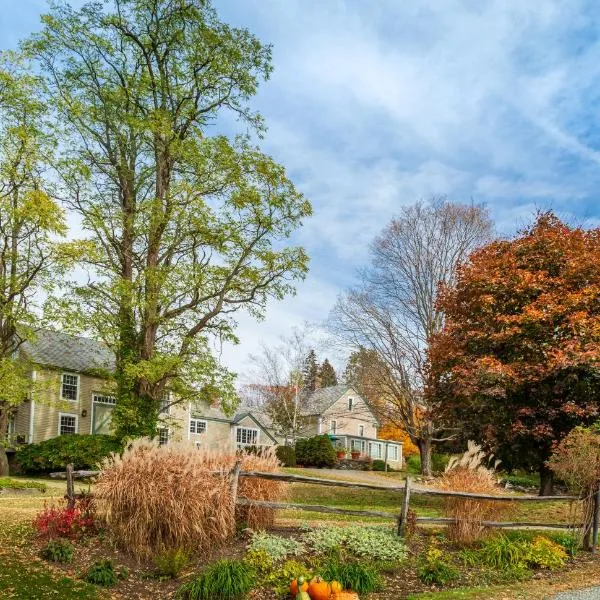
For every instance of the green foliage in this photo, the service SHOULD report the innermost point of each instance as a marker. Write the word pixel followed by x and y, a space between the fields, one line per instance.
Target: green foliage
pixel 274 546
pixel 83 451
pixel 439 462
pixel 286 455
pixel 543 553
pixel 432 569
pixel 569 541
pixel 317 451
pixel 102 573
pixel 327 375
pixel 20 484
pixel 226 579
pixel 59 550
pixel 278 578
pixel 373 543
pixel 379 465
pixel 361 577
pixel 502 552
pixel 522 479
pixel 170 563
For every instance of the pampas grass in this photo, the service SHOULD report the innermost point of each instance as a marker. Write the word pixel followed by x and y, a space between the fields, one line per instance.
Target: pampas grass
pixel 469 474
pixel 156 498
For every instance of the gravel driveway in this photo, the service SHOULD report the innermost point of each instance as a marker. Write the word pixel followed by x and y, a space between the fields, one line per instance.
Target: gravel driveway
pixel 587 594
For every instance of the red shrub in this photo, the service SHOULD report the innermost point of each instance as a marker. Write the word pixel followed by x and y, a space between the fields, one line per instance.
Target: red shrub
pixel 56 521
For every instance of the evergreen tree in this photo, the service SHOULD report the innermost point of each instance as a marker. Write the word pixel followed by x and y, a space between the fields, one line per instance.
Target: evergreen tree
pixel 327 375
pixel 310 373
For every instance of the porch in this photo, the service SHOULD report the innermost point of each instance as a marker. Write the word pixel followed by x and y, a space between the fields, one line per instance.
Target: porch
pixel 373 448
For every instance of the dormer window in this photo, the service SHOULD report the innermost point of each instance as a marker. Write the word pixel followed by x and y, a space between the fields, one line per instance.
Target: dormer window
pixel 350 403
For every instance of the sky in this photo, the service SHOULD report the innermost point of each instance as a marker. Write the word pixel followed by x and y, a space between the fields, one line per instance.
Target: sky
pixel 377 104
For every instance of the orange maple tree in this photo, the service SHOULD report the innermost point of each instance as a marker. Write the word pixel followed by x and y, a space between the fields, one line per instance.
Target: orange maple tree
pixel 518 362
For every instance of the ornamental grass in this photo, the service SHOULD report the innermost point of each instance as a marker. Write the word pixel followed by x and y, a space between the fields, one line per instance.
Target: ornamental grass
pixel 156 498
pixel 469 474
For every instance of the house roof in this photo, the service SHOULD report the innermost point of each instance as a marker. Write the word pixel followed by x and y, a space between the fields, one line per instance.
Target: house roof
pixel 320 400
pixel 260 417
pixel 56 349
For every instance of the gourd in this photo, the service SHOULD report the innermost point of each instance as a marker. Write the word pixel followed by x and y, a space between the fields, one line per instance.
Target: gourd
pixel 298 585
pixel 319 589
pixel 336 587
pixel 302 596
pixel 344 595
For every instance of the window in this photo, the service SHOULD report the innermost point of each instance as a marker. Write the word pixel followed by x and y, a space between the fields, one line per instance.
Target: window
pixel 393 452
pixel 164 407
pixel 67 424
pixel 102 399
pixel 102 407
pixel 246 436
pixel 350 404
pixel 375 450
pixel 163 436
pixel 332 427
pixel 361 430
pixel 197 426
pixel 69 390
pixel 357 446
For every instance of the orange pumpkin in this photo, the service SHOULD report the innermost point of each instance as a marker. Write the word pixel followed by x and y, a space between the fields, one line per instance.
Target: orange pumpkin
pixel 336 587
pixel 319 589
pixel 298 585
pixel 345 595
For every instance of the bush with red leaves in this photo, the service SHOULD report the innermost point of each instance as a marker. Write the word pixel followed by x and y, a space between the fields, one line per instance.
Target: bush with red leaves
pixel 65 522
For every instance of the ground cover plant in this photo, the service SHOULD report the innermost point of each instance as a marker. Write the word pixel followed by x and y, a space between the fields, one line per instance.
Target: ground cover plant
pixel 226 579
pixel 10 483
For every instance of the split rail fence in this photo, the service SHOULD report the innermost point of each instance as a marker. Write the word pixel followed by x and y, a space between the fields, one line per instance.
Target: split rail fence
pixel 406 491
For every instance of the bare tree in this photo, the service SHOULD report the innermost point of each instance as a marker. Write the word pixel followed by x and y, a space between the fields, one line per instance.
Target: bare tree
pixel 393 309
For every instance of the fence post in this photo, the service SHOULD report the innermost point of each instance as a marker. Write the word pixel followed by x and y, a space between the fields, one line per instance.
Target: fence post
pixel 70 487
pixel 234 478
pixel 404 513
pixel 595 521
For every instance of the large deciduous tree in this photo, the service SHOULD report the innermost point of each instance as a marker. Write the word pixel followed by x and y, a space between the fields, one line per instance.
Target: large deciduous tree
pixel 518 361
pixel 185 227
pixel 393 309
pixel 29 220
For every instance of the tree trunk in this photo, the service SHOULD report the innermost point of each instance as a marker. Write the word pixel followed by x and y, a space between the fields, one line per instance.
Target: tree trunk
pixel 3 462
pixel 546 481
pixel 425 453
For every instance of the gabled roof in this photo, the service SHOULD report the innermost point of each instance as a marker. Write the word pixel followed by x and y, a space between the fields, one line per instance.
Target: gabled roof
pixel 320 400
pixel 67 352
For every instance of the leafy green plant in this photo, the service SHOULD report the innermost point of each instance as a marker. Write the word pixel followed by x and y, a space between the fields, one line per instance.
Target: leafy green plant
pixel 83 451
pixel 286 455
pixel 545 554
pixel 58 550
pixel 358 576
pixel 102 573
pixel 373 543
pixel 501 552
pixel 170 563
pixel 432 569
pixel 279 577
pixel 317 451
pixel 225 579
pixel 569 541
pixel 260 561
pixel 275 546
pixel 379 465
pixel 438 463
pixel 20 484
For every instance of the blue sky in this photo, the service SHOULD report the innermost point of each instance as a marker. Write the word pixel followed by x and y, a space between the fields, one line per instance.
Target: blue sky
pixel 376 104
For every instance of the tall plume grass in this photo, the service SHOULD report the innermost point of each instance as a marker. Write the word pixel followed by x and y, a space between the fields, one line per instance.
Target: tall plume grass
pixel 469 474
pixel 156 498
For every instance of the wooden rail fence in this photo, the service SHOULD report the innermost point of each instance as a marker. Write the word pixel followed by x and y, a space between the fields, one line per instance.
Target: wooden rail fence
pixel 406 491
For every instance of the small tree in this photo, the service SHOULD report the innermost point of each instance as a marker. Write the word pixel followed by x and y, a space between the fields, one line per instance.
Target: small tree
pixel 327 376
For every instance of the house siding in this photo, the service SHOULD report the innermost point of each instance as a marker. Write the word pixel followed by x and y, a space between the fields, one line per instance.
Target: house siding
pixel 349 422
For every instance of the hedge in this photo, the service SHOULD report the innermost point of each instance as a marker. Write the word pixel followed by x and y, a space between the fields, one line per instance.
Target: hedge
pixel 317 451
pixel 83 451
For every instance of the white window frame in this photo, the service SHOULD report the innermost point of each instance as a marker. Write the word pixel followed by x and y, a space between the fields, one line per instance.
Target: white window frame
pixel 195 422
pixel 333 426
pixel 63 414
pixel 94 402
pixel 62 381
pixel 372 445
pixel 350 404
pixel 357 446
pixel 395 449
pixel 159 432
pixel 244 444
pixel 361 430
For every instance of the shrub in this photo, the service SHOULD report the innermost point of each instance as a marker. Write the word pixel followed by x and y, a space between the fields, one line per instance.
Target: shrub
pixel 569 541
pixel 274 546
pixel 102 573
pixel 278 578
pixel 19 484
pixel 526 480
pixel 170 563
pixel 317 451
pixel 157 498
pixel 432 569
pixel 64 522
pixel 379 465
pixel 83 451
pixel 439 462
pixel 501 552
pixel 59 550
pixel 226 579
pixel 286 455
pixel 545 554
pixel 373 543
pixel 468 474
pixel 360 577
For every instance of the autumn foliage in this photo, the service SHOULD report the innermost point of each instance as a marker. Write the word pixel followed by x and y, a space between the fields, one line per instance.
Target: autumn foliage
pixel 518 361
